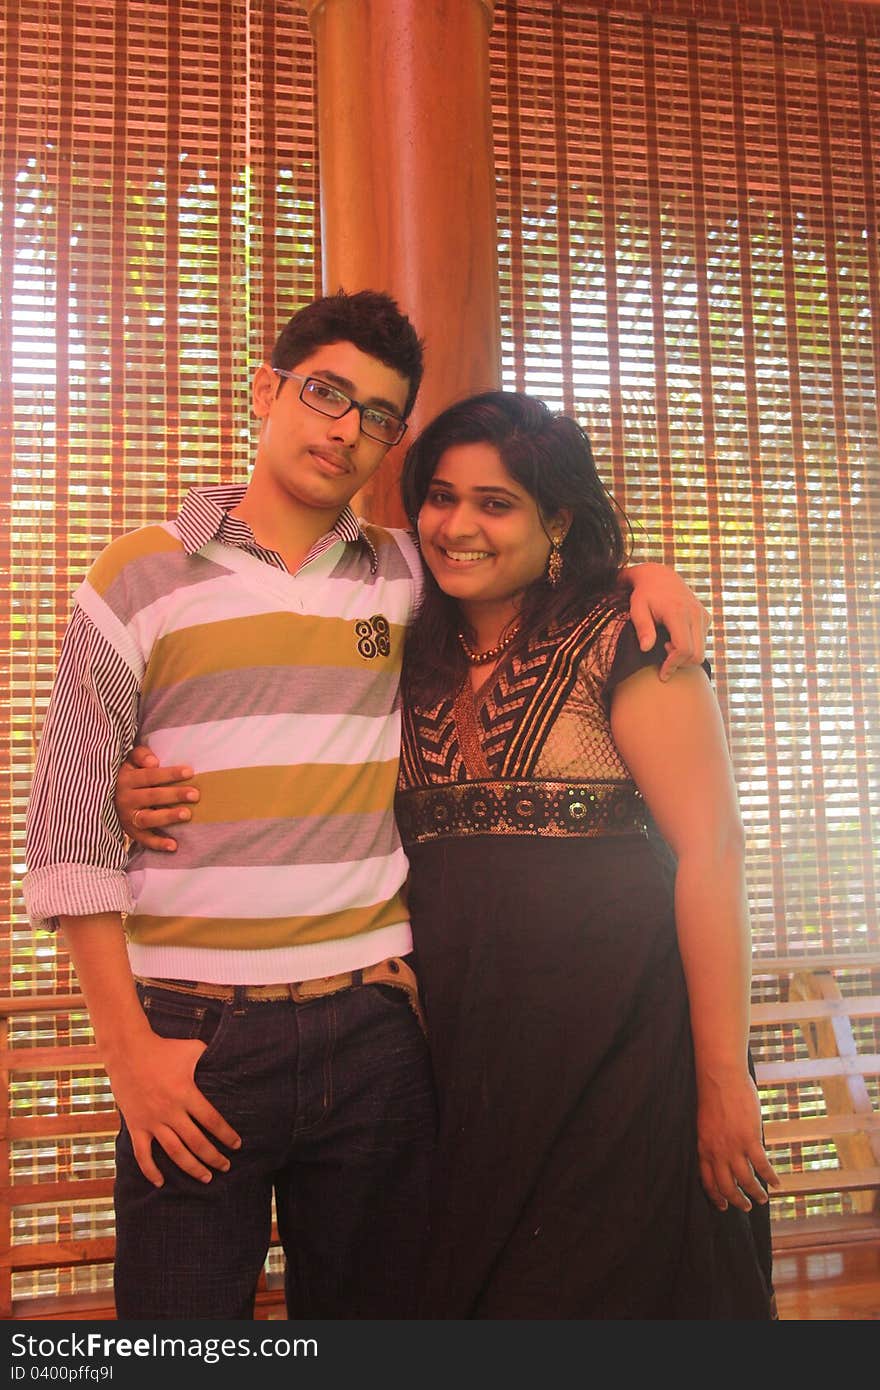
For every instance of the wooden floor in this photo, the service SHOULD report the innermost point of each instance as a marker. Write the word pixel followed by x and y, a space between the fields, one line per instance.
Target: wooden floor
pixel 829 1283
pixel 839 1283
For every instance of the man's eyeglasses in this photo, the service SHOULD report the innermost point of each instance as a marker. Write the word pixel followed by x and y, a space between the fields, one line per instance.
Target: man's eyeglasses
pixel 376 424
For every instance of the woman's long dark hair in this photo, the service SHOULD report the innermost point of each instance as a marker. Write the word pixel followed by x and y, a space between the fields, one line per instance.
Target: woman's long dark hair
pixel 550 456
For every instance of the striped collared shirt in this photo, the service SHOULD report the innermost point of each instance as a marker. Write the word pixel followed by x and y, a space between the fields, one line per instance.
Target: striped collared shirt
pixel 205 516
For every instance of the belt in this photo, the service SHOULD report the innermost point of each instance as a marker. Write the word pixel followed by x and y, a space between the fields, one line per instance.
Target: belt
pixel 394 972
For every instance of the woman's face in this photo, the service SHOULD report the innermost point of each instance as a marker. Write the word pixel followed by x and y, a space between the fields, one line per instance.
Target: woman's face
pixel 481 533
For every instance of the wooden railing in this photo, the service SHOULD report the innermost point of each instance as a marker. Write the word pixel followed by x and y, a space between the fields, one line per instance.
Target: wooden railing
pixel 818 1004
pixel 76 1268
pixel 25 1202
pixel 56 1230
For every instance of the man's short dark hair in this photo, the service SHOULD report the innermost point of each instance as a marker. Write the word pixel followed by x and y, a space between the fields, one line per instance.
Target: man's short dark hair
pixel 369 319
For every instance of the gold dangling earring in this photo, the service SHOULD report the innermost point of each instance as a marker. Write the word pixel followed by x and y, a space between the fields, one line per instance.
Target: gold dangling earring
pixel 554 563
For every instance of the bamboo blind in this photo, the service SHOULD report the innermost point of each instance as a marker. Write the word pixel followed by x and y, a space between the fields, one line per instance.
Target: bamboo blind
pixel 688 236
pixel 159 188
pixel 688 215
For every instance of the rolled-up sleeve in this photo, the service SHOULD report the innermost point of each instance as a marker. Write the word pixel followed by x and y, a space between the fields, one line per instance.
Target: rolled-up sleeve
pixel 75 846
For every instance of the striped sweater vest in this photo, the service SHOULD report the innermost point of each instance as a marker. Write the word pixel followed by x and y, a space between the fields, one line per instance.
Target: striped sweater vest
pixel 282 692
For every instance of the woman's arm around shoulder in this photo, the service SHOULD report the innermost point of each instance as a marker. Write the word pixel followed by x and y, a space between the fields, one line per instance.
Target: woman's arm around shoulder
pixel 659 595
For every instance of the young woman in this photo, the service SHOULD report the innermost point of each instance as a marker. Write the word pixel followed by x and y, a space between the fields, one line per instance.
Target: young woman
pixel 586 983
pixel 578 907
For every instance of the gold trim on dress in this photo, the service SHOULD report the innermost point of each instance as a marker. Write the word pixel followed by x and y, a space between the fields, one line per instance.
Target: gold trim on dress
pixel 467 727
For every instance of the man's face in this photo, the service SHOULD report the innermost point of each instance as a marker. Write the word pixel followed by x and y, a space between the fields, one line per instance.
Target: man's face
pixel 312 460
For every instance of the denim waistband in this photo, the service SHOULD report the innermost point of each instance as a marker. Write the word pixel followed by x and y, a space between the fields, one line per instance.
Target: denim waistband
pixel 394 972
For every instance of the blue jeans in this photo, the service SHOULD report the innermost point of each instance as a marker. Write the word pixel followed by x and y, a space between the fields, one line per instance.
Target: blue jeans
pixel 334 1102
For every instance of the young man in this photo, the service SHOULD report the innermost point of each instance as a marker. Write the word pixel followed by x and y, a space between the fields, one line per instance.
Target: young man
pixel 256 1014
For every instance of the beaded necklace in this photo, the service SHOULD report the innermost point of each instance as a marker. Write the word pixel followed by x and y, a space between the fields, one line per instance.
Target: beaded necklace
pixel 493 653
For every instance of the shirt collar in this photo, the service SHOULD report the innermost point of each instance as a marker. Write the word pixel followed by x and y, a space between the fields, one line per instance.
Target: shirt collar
pixel 205 517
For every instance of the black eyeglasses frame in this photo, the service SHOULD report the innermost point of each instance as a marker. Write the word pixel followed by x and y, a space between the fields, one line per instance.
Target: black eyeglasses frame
pixel 359 406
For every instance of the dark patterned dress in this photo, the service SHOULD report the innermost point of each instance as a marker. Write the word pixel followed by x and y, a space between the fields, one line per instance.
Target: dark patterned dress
pixel 542 908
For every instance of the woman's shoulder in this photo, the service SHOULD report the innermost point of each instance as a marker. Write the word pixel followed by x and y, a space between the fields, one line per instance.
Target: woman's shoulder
pixel 600 618
pixel 601 640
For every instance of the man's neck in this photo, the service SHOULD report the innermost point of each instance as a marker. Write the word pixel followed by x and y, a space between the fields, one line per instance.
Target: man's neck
pixel 291 534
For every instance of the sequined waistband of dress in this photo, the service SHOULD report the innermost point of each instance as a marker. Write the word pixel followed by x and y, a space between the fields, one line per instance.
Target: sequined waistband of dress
pixel 520 808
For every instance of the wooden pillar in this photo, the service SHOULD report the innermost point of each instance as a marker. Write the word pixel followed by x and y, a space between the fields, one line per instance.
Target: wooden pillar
pixel 408 186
